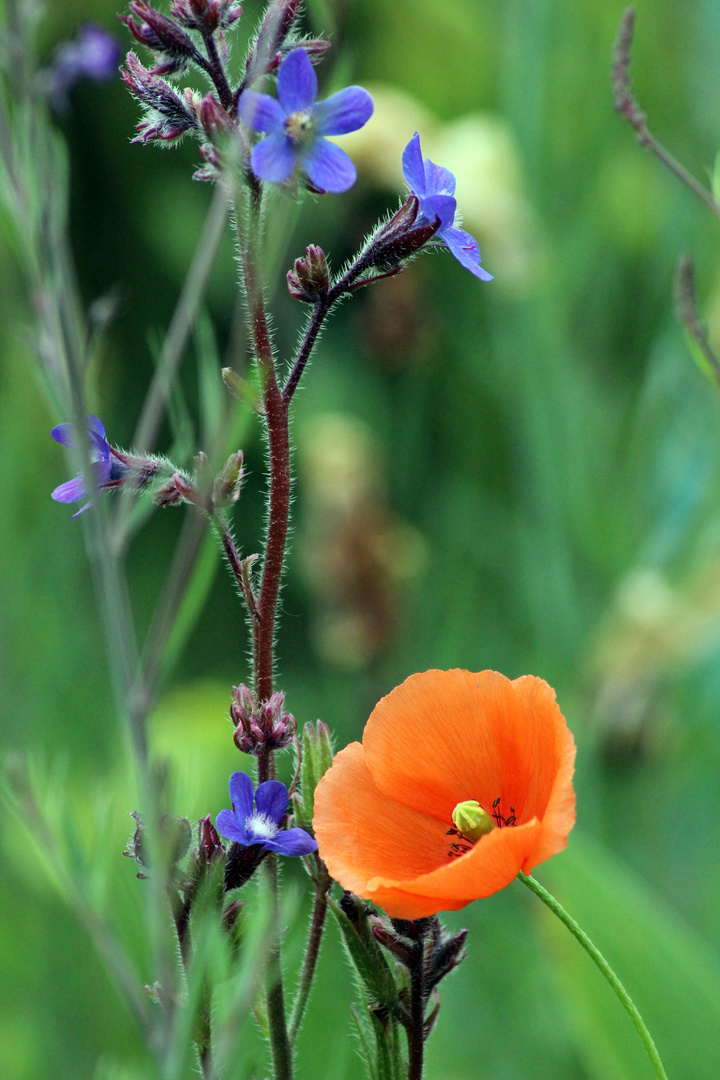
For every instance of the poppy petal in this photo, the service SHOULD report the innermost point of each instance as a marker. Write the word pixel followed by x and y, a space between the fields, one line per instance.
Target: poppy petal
pixel 443 737
pixel 363 833
pixel 492 865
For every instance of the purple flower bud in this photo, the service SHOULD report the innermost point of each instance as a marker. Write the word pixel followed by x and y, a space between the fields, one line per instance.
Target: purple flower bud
pixel 227 483
pixel 215 120
pixel 310 280
pixel 206 15
pixel 163 36
pixel 168 116
pixel 210 846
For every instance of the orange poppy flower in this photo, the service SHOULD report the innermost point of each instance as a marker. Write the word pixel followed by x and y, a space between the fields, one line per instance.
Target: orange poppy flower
pixel 385 810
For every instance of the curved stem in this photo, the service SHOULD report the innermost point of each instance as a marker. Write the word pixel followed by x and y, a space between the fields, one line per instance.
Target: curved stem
pixel 317 925
pixel 592 951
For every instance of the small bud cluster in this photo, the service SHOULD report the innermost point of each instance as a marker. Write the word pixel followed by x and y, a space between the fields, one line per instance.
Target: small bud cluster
pixel 202 490
pixel 207 16
pixel 168 116
pixel 174 49
pixel 260 725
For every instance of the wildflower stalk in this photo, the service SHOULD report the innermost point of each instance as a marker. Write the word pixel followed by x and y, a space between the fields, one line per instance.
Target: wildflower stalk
pixel 600 961
pixel 627 105
pixel 263 624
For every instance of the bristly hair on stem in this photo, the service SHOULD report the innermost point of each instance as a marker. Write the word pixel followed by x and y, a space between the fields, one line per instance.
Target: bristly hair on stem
pixel 626 104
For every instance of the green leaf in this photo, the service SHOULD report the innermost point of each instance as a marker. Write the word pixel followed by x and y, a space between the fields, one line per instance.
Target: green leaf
pixel 372 969
pixel 672 975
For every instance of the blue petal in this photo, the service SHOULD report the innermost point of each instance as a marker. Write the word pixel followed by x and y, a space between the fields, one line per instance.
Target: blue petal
pixel 71 491
pixel 228 826
pixel 466 251
pixel 261 112
pixel 412 164
pixel 103 471
pixel 63 433
pixel 292 842
pixel 345 111
pixel 82 510
pixel 272 799
pixel 95 426
pixel 438 181
pixel 296 82
pixel 274 159
pixel 241 794
pixel 439 206
pixel 329 167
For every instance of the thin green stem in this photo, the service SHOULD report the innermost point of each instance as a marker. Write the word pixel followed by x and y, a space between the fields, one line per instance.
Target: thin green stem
pixel 317 925
pixel 592 951
pixel 275 997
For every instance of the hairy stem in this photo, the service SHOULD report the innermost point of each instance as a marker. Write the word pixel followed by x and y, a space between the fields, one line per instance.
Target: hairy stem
pixel 416 1026
pixel 276 420
pixel 279 1041
pixel 312 951
pixel 598 958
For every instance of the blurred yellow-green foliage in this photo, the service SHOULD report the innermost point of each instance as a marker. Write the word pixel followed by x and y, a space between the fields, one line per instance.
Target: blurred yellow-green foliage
pixel 522 475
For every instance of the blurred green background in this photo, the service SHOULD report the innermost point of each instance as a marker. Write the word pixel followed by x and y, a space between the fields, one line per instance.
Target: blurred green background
pixel 521 476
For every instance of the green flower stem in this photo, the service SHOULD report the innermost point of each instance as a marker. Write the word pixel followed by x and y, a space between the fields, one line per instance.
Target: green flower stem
pixel 274 995
pixel 317 925
pixel 602 964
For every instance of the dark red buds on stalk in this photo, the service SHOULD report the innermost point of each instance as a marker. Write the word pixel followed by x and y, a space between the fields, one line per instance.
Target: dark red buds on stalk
pixel 163 36
pixel 215 121
pixel 310 280
pixel 260 725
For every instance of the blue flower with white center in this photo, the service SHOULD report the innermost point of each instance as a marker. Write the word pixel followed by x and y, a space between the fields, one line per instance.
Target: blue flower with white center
pixel 109 472
pixel 296 125
pixel 246 825
pixel 434 188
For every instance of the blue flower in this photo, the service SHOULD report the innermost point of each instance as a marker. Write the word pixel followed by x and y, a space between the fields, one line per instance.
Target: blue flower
pixel 247 826
pixel 434 188
pixel 296 126
pixel 108 472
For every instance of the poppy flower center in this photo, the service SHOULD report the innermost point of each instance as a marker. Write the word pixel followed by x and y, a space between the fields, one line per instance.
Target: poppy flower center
pixel 471 823
pixel 299 127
